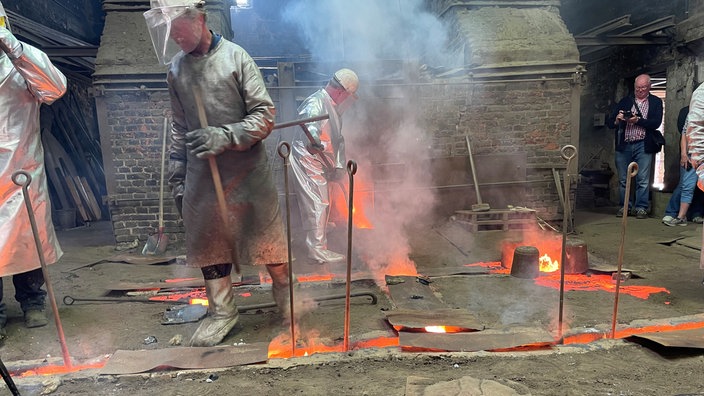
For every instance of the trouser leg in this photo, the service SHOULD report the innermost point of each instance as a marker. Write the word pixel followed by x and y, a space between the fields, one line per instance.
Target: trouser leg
pixel 32 299
pixel 280 288
pixel 222 310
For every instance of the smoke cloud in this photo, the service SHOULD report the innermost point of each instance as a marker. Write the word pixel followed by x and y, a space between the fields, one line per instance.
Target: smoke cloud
pixel 382 130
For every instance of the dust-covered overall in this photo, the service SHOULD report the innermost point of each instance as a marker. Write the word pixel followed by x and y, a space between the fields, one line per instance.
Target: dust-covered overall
pixel 27 80
pixel 240 114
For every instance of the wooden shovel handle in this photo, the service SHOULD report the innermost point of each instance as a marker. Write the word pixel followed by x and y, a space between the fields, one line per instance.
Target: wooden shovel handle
pixel 215 172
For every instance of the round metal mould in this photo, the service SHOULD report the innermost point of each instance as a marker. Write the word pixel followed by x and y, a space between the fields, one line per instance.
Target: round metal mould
pixel 576 257
pixel 526 262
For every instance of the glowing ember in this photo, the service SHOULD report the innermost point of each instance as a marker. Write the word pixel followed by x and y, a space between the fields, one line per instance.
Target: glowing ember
pixel 593 282
pixel 547 265
pixel 200 301
pixel 280 347
pixel 55 369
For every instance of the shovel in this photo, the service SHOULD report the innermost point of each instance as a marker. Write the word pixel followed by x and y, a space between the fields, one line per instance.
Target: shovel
pixel 156 243
pixel 479 206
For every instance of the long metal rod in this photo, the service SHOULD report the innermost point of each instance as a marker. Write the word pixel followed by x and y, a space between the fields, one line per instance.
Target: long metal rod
pixel 284 151
pixel 351 170
pixel 568 152
pixel 8 380
pixel 302 121
pixel 68 300
pixel 632 171
pixel 217 182
pixel 16 178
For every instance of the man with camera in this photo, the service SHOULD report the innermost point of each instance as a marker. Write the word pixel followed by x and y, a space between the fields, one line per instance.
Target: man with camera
pixel 636 119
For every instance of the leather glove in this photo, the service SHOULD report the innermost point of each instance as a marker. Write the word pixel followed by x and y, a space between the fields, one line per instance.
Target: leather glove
pixel 315 149
pixel 208 142
pixel 9 44
pixel 177 182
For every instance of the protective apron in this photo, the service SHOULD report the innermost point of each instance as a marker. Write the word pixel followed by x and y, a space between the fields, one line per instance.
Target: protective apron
pixel 222 76
pixel 25 83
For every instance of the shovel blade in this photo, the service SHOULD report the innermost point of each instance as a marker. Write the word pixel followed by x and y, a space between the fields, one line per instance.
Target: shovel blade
pixel 156 244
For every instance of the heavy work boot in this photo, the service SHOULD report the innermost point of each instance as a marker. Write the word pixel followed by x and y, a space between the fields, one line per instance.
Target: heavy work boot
pixel 222 313
pixel 317 247
pixel 279 289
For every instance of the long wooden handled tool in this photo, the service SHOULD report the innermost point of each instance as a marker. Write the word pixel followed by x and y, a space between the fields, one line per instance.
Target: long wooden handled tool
pixel 215 172
pixel 479 206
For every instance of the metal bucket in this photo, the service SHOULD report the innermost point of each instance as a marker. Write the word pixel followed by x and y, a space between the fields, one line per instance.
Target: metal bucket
pixel 526 262
pixel 576 257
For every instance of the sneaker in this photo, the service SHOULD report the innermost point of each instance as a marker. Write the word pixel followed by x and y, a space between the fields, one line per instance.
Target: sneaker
pixel 676 222
pixel 620 212
pixel 667 218
pixel 641 214
pixel 698 219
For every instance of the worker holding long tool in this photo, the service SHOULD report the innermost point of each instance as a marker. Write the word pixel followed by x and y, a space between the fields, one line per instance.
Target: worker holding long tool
pixel 214 81
pixel 28 79
pixel 318 157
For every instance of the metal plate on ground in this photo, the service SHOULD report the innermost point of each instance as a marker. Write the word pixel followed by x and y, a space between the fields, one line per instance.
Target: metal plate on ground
pixel 693 338
pixel 487 340
pixel 132 362
pixel 411 292
pixel 186 313
pixel 447 317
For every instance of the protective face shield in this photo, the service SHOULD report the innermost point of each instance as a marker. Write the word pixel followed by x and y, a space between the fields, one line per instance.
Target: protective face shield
pixel 172 27
pixel 347 79
pixel 3 18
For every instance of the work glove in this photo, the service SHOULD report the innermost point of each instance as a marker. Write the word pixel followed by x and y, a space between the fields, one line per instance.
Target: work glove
pixel 9 44
pixel 208 142
pixel 177 182
pixel 315 148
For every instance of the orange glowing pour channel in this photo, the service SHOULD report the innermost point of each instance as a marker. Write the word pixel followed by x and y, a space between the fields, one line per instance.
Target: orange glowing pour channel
pixel 582 282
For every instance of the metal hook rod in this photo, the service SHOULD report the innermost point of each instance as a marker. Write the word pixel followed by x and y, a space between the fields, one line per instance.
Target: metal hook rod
pixel 632 171
pixel 16 178
pixel 351 170
pixel 284 151
pixel 568 152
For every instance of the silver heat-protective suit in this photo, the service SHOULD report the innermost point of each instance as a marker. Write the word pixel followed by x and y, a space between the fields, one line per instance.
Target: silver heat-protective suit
pixel 235 98
pixel 311 173
pixel 26 82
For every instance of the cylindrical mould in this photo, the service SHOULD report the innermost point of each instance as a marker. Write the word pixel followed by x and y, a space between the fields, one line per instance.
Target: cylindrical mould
pixel 576 257
pixel 526 262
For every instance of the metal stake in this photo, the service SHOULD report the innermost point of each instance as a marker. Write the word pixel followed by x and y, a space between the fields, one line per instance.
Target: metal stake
pixel 50 290
pixel 632 171
pixel 568 152
pixel 284 151
pixel 351 170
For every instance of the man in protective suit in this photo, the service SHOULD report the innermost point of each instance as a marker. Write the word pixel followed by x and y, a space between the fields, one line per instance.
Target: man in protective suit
pixel 320 157
pixel 27 79
pixel 240 114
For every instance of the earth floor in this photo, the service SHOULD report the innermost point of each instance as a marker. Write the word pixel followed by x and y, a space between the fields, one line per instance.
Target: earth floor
pixel 657 256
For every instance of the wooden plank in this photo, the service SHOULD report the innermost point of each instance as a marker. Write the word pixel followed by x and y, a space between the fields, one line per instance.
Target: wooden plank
pixel 448 317
pixel 58 182
pixel 487 340
pixel 407 292
pixel 132 362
